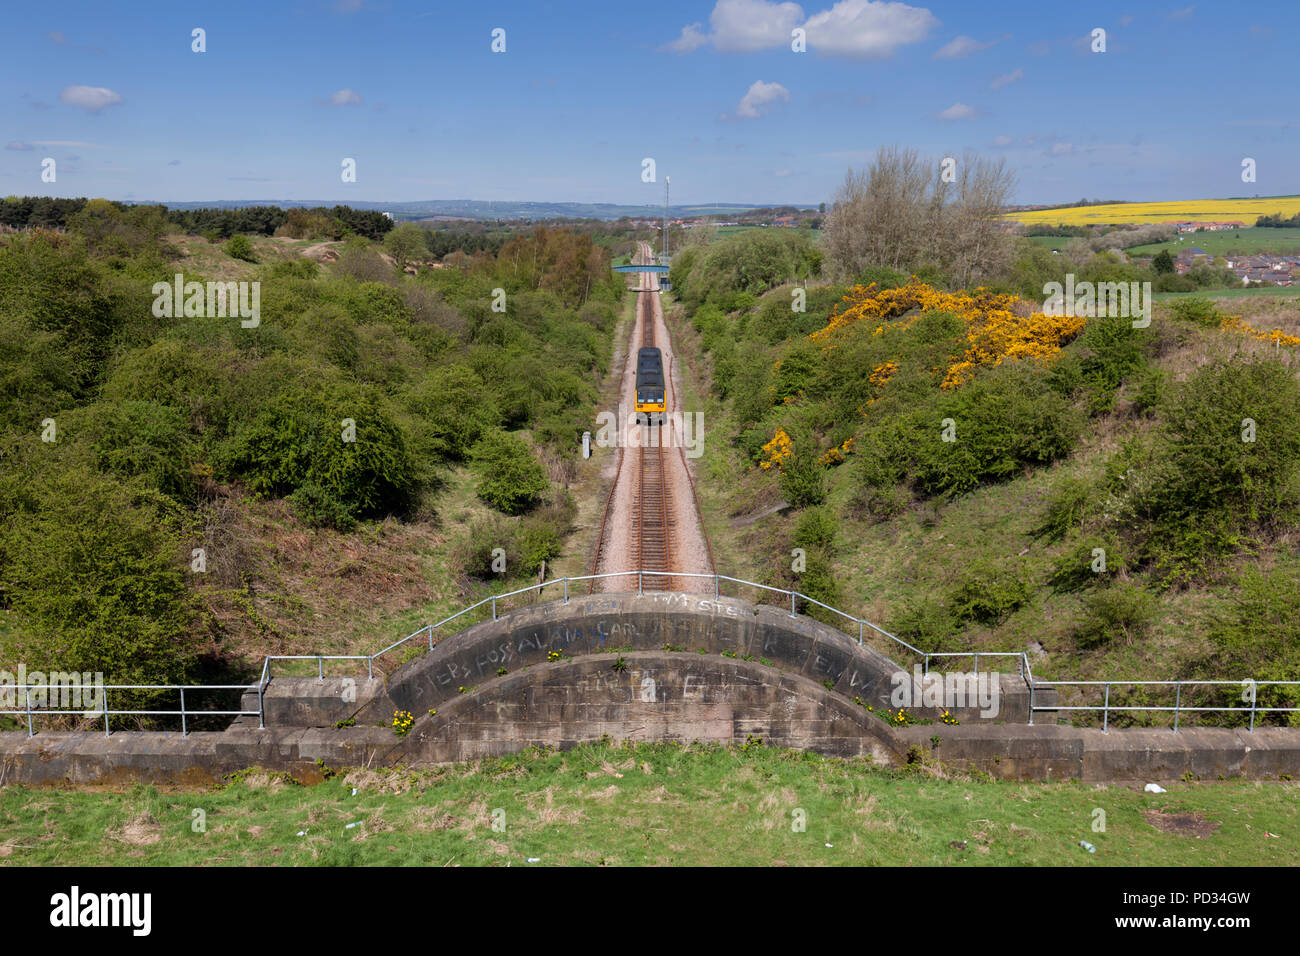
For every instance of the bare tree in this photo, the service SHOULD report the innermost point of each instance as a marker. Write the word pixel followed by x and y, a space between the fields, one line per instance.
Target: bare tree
pixel 901 213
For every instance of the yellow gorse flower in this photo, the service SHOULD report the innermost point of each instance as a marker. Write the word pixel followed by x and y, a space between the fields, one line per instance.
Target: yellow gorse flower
pixel 996 331
pixel 1234 323
pixel 777 450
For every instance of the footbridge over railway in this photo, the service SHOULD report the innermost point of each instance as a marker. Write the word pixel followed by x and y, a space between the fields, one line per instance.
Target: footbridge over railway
pixel 647 666
pixel 653 665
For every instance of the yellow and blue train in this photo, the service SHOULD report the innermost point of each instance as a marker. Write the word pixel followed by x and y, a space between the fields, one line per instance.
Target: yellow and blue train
pixel 651 404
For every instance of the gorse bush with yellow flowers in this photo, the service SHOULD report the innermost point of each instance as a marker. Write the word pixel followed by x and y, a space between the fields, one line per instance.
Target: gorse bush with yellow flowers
pixel 998 327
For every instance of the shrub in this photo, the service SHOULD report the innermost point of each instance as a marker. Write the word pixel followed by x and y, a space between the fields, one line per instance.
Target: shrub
pixel 318 506
pixel 1074 570
pixel 1116 350
pixel 139 439
pixel 539 541
pixel 240 246
pixel 90 568
pixel 1212 465
pixel 1067 508
pixel 816 529
pixel 510 478
pixel 1004 420
pixel 472 555
pixel 818 581
pixel 988 594
pixel 299 438
pixel 451 409
pixel 1257 635
pixel 803 480
pixel 1119 611
pixel 1197 310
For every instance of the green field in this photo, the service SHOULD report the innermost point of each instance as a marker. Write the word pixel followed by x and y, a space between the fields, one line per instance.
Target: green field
pixel 1249 241
pixel 1234 293
pixel 1238 242
pixel 654 804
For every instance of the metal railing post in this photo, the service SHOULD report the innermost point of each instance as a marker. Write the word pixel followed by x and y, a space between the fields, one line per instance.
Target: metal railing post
pixel 494 609
pixel 27 695
pixel 1105 713
pixel 320 669
pixel 792 614
pixel 859 633
pixel 925 666
pixel 1178 700
pixel 1031 705
pixel 261 706
pixel 184 728
pixel 717 588
pixel 566 590
pixel 977 663
pixel 429 628
pixel 370 661
pixel 1254 701
pixel 105 711
pixel 639 576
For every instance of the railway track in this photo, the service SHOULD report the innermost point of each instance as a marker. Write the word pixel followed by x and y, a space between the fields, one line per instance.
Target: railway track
pixel 653 517
pixel 652 508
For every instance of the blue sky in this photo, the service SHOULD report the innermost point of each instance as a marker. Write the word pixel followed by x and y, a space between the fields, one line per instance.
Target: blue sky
pixel 585 90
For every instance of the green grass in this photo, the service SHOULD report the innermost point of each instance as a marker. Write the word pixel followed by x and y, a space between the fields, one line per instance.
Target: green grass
pixel 1242 292
pixel 1247 241
pixel 649 804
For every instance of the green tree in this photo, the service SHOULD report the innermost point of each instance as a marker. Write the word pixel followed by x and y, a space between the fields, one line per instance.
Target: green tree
pixel 1163 262
pixel 93 576
pixel 240 247
pixel 510 478
pixel 404 243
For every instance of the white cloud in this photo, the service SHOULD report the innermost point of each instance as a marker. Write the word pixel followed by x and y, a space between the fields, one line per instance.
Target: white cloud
pixel 760 98
pixel 958 111
pixel 961 47
pixel 743 26
pixel 1005 78
pixel 692 39
pixel 850 28
pixel 866 29
pixel 18 147
pixel 1001 142
pixel 91 98
pixel 345 98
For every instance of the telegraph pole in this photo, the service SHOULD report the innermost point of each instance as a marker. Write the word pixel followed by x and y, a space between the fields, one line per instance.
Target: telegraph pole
pixel 667 180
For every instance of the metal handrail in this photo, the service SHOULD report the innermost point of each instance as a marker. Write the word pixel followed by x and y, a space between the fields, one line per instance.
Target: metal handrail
pixel 105 711
pixel 1026 672
pixel 1178 708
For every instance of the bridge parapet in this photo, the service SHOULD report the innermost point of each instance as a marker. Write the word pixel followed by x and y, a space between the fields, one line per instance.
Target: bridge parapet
pixel 667 622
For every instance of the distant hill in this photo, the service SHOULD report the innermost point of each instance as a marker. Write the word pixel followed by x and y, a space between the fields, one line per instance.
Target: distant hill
pixel 487 209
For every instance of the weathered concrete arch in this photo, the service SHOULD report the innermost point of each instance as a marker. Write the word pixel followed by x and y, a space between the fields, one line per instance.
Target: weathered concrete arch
pixel 597 625
pixel 654 695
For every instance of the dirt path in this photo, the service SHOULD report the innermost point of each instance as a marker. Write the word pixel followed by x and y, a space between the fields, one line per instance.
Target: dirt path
pixel 688 551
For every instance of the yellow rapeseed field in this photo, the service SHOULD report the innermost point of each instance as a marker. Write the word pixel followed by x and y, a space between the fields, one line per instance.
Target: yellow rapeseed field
pixel 1196 210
